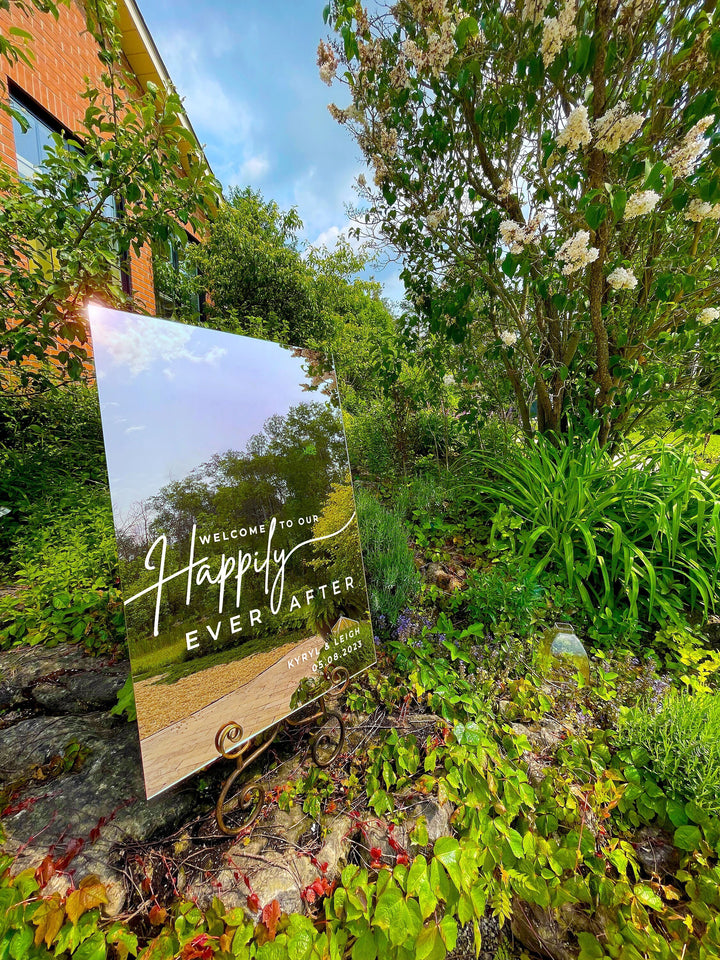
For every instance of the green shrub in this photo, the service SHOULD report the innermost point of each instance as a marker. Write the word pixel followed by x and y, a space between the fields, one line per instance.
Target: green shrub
pixel 65 563
pixel 680 745
pixel 393 581
pixel 639 530
pixel 47 442
pixel 507 599
pixel 421 495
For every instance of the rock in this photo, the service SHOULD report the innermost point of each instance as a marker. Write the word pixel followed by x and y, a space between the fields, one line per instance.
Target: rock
pixel 437 574
pixel 543 738
pixel 78 808
pixel 491 937
pixel 437 818
pixel 62 679
pixel 545 932
pixel 272 875
pixel 336 847
pixel 80 692
pixel 655 852
pixel 711 630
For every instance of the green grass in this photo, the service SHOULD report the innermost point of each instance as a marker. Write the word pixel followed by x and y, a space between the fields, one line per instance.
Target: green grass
pixel 680 745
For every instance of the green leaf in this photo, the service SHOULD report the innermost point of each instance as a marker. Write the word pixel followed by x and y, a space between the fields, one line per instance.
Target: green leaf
pixel 687 838
pixel 647 896
pixel 93 948
pixel 619 200
pixel 590 947
pixel 468 27
pixel 595 214
pixel 447 851
pixel 364 948
pixel 426 941
pixel 389 910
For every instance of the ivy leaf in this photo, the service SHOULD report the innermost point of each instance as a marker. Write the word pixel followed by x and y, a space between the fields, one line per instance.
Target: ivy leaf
pixel 270 916
pixel 364 948
pixel 687 838
pixel 84 899
pixel 590 947
pixel 92 949
pixel 647 897
pixel 426 942
pixel 447 851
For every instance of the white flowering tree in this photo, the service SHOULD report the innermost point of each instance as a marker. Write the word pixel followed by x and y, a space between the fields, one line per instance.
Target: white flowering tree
pixel 548 170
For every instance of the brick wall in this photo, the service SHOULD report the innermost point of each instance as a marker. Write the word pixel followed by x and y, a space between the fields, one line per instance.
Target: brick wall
pixel 64 55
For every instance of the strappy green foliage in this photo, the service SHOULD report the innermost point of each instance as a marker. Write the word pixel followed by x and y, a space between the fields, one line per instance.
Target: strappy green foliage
pixel 641 529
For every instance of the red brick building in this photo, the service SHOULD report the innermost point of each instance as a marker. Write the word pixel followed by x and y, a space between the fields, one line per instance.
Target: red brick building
pixel 48 94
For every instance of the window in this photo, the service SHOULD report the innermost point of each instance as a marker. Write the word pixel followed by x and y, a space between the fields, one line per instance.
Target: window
pixel 31 140
pixel 30 143
pixel 176 290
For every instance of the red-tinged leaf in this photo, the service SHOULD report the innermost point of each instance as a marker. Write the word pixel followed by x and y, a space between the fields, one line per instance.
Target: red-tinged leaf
pixel 375 853
pixel 45 871
pixel 74 846
pixel 270 916
pixel 157 915
pixel 253 902
pixel 324 867
pixel 308 895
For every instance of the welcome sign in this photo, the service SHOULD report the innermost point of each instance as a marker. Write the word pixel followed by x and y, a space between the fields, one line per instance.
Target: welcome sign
pixel 235 520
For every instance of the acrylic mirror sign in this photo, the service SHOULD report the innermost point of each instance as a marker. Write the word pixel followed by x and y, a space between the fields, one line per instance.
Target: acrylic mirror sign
pixel 239 549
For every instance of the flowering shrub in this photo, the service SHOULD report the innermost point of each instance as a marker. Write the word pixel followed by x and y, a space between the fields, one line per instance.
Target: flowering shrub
pixel 530 159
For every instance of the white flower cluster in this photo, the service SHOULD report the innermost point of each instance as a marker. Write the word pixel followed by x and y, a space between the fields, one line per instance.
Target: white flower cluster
pixel 370 54
pixel 516 236
pixel 349 113
pixel 640 203
pixel 534 10
pixel 327 61
pixel 509 338
pixel 381 171
pixel 577 130
pixel 387 141
pixel 707 315
pixel 699 210
pixel 399 76
pixel 622 279
pixel 576 254
pixel 362 181
pixel 438 52
pixel 363 24
pixel 616 127
pixel 683 159
pixel 557 31
pixel 437 217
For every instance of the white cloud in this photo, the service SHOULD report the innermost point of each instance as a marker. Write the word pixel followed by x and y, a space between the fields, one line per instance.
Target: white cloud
pixel 139 342
pixel 135 429
pixel 251 171
pixel 221 115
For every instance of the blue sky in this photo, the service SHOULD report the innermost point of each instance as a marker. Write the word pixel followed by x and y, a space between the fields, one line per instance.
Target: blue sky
pixel 247 70
pixel 150 375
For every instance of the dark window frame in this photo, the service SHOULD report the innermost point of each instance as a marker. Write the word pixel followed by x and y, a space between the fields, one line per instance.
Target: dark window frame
pixel 29 104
